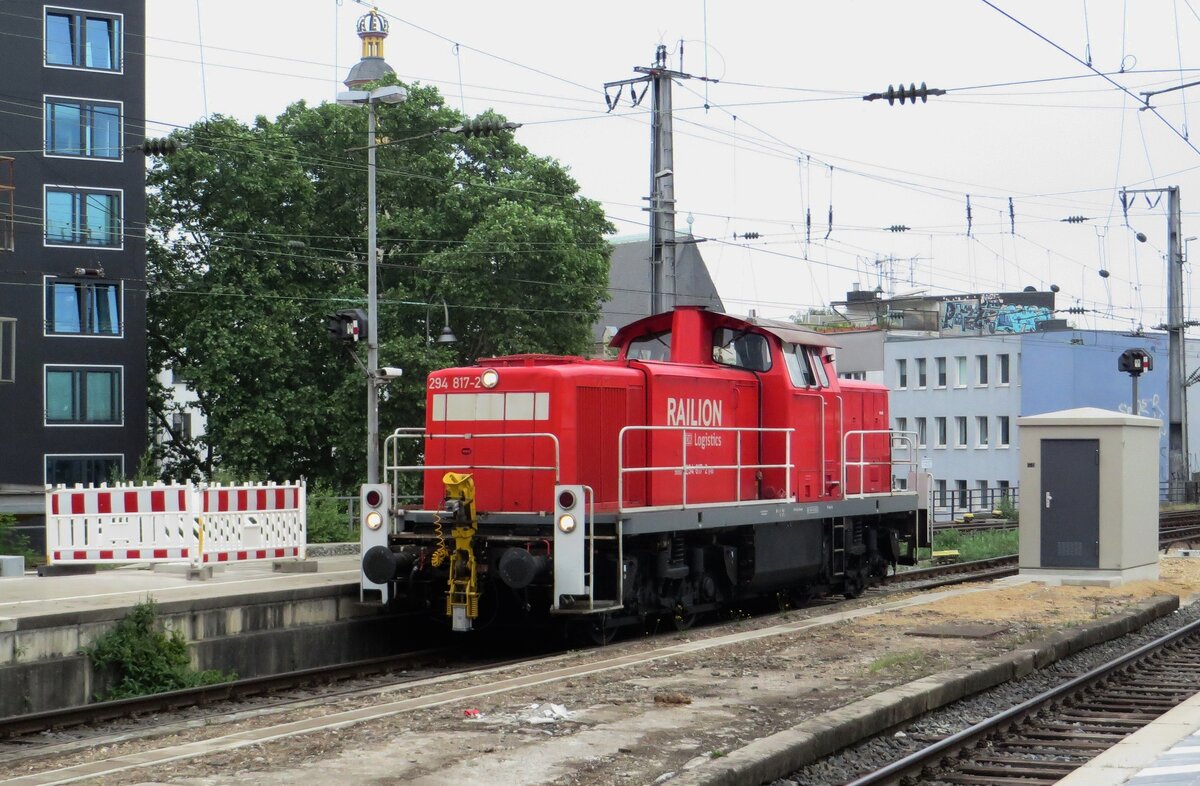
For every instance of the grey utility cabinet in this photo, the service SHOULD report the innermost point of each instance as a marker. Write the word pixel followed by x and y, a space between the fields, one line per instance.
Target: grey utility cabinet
pixel 1089 496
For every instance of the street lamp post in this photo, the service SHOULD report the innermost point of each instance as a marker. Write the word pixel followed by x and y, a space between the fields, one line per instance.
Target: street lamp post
pixel 447 336
pixel 389 94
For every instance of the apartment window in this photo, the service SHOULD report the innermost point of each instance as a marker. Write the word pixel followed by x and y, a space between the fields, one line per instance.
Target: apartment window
pixel 1002 361
pixel 83 396
pixel 78 217
pixel 921 380
pixel 69 470
pixel 922 438
pixel 981 431
pixel 181 424
pixel 79 39
pixel 960 488
pixel 942 498
pixel 1003 424
pixel 901 374
pixel 940 425
pixel 960 431
pixel 8 349
pixel 83 308
pixel 960 369
pixel 859 375
pixel 981 487
pixel 941 372
pixel 89 129
pixel 1005 493
pixel 981 370
pixel 901 424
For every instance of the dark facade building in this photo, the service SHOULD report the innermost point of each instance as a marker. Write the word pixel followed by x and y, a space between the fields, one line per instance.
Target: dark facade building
pixel 72 243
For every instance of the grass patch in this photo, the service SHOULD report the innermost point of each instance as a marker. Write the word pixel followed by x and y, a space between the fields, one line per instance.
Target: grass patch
pixel 977 545
pixel 893 659
pixel 14 543
pixel 145 658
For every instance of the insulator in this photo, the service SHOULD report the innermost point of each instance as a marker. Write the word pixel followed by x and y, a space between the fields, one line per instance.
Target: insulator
pixel 897 228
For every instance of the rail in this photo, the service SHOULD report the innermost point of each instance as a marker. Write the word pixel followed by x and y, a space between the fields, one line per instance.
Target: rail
pixel 395 469
pixel 1146 659
pixel 684 468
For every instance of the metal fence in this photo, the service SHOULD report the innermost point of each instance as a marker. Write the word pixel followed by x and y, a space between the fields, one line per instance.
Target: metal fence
pixel 950 504
pixel 1179 493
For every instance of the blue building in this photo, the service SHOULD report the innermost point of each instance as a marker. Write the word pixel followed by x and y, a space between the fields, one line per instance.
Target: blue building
pixel 962 395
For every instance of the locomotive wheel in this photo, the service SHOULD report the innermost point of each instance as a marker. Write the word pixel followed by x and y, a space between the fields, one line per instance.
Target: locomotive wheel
pixel 600 631
pixel 855 584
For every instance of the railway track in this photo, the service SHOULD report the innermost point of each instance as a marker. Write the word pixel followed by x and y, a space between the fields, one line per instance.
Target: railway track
pixel 236 690
pixel 957 572
pixel 16 727
pixel 1050 735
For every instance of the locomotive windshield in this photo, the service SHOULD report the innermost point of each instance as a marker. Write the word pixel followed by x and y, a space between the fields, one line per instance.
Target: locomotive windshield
pixel 741 349
pixel 656 346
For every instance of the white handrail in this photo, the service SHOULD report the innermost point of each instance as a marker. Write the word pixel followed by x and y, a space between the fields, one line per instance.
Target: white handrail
pixel 788 465
pixel 906 437
pixel 392 448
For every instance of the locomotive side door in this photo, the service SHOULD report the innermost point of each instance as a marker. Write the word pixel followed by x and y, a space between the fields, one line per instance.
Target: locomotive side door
pixel 808 410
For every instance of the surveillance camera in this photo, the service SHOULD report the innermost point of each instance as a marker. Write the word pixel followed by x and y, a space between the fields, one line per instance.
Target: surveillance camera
pixel 390 372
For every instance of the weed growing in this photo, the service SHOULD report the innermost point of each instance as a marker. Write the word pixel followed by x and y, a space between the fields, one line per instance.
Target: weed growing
pixel 145 658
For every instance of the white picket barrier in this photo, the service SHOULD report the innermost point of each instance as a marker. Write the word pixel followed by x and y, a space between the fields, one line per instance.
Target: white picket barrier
pixel 252 522
pixel 97 525
pixel 124 523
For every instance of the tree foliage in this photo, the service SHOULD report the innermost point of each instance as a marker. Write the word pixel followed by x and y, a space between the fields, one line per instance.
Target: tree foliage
pixel 258 231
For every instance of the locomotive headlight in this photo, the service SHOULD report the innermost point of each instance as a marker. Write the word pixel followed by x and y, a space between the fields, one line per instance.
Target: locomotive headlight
pixel 490 377
pixel 566 523
pixel 374 520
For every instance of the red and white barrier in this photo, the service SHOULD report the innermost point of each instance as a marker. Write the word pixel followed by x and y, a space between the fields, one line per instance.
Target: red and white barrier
pixel 175 523
pixel 252 522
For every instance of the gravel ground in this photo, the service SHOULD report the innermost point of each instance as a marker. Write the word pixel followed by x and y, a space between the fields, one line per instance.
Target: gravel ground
pixel 878 751
pixel 645 723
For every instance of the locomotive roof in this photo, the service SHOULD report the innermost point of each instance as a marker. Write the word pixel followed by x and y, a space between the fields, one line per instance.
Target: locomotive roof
pixel 788 332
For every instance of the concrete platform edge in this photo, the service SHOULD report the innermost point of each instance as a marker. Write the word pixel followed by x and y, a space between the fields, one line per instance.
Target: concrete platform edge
pixel 782 753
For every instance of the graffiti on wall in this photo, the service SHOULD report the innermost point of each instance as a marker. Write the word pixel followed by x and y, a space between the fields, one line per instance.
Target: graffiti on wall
pixel 991 314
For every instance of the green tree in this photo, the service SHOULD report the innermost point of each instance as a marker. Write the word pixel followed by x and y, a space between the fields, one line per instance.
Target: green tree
pixel 258 231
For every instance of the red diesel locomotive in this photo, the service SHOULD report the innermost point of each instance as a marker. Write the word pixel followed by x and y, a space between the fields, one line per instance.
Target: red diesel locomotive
pixel 715 459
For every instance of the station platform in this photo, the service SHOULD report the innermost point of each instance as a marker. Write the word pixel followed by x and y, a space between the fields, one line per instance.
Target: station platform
pixel 247 618
pixel 31 596
pixel 1165 753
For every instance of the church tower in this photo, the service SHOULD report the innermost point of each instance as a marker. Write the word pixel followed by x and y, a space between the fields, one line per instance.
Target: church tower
pixel 372 29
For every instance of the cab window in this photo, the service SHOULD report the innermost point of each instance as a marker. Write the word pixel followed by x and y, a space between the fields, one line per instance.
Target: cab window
pixel 799 366
pixel 820 367
pixel 805 367
pixel 655 346
pixel 741 349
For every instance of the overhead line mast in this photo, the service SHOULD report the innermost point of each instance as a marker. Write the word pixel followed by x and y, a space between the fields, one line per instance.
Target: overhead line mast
pixel 657 78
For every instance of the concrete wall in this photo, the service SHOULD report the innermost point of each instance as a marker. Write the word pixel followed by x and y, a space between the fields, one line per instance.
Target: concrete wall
pixel 41 668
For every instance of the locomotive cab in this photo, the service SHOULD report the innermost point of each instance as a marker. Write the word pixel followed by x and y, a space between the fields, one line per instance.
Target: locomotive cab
pixel 713 459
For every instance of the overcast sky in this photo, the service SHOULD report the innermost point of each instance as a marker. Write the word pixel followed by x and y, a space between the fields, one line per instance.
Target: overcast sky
pixel 787 130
